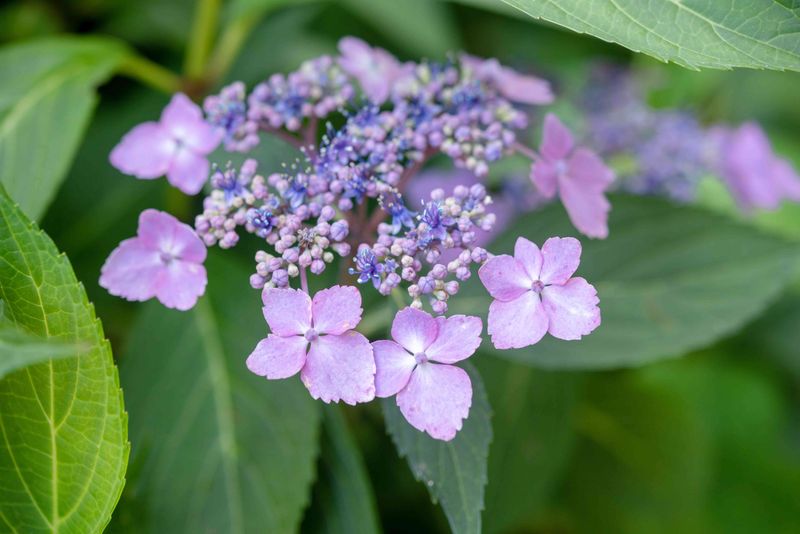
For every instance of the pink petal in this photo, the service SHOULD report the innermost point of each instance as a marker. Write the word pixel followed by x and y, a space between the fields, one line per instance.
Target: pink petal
pixel 562 255
pixel 184 120
pixel 278 357
pixel 374 68
pixel 786 180
pixel 557 140
pixel 459 337
pixel 336 310
pixel 523 89
pixel 529 256
pixel 188 172
pixel 571 308
pixel 544 175
pixel 165 233
pixel 180 284
pixel 504 277
pixel 132 270
pixel 414 329
pixel 340 368
pixel 145 152
pixel 287 311
pixel 436 400
pixel 393 366
pixel 582 192
pixel 519 323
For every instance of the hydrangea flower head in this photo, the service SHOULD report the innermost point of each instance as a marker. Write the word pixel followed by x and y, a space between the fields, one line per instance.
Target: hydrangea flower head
pixel 175 146
pixel 374 68
pixel 315 337
pixel 433 395
pixel 756 177
pixel 578 175
pixel 165 260
pixel 535 294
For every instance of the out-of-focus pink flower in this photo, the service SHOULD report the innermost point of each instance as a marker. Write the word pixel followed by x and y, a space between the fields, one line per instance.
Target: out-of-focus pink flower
pixel 534 294
pixel 374 68
pixel 316 338
pixel 177 146
pixel 756 177
pixel 578 175
pixel 165 260
pixel 433 397
pixel 511 84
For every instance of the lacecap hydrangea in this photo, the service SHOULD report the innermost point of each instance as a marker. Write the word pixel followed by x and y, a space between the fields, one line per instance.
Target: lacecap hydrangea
pixel 345 204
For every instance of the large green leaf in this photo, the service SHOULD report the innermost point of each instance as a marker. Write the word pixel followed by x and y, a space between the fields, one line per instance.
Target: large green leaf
pixel 19 349
pixel 343 501
pixel 694 33
pixel 217 448
pixel 64 445
pixel 46 99
pixel 533 439
pixel 670 279
pixel 453 471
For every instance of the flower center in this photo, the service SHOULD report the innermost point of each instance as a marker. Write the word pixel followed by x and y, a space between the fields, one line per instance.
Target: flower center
pixel 537 286
pixel 311 334
pixel 561 167
pixel 166 258
pixel 421 358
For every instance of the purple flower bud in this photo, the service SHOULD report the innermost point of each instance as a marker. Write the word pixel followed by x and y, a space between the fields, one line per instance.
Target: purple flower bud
pixel 339 230
pixel 317 266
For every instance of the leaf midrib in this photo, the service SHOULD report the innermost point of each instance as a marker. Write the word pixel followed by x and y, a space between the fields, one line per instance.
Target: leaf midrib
pixel 223 408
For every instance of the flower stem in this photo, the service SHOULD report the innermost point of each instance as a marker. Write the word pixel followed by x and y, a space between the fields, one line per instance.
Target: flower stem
pixel 150 73
pixel 202 38
pixel 304 280
pixel 525 151
pixel 230 43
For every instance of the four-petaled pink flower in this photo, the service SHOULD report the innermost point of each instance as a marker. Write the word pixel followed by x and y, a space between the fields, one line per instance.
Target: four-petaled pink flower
pixel 514 86
pixel 433 397
pixel 534 294
pixel 578 175
pixel 374 68
pixel 165 260
pixel 756 177
pixel 177 146
pixel 316 338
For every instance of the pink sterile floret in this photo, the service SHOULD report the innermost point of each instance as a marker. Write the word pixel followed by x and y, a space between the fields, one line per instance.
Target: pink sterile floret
pixel 177 146
pixel 316 338
pixel 578 175
pixel 165 260
pixel 374 68
pixel 433 397
pixel 534 294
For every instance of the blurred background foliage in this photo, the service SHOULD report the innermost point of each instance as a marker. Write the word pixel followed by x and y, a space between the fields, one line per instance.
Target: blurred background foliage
pixel 705 443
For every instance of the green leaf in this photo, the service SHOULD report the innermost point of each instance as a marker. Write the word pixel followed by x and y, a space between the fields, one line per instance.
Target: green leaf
pixel 343 501
pixel 64 444
pixel 19 349
pixel 533 439
pixel 643 463
pixel 218 448
pixel 670 279
pixel 453 471
pixel 46 100
pixel 718 34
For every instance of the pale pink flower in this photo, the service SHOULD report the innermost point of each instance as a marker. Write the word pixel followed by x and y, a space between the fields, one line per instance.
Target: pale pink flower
pixel 578 175
pixel 433 397
pixel 757 178
pixel 516 87
pixel 374 68
pixel 316 338
pixel 176 146
pixel 534 294
pixel 165 260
